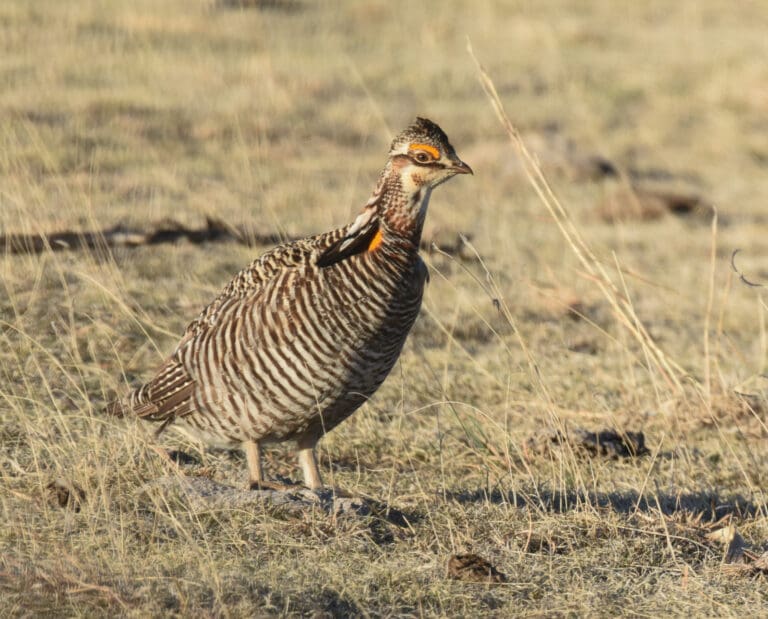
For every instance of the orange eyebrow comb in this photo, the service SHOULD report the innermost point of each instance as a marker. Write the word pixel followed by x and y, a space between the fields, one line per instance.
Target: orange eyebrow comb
pixel 427 148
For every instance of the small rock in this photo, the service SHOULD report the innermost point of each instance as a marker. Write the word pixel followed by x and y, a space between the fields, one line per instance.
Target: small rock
pixel 473 568
pixel 613 444
pixel 345 506
pixel 203 494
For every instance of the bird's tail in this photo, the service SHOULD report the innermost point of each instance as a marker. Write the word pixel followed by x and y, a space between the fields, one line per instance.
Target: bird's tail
pixel 129 404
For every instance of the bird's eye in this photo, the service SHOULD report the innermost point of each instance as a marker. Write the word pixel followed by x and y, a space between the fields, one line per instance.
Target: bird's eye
pixel 423 157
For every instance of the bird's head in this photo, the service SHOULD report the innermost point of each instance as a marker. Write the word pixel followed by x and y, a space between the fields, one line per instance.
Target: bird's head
pixel 422 157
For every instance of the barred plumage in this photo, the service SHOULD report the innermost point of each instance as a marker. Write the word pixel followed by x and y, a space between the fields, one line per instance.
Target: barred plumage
pixel 298 340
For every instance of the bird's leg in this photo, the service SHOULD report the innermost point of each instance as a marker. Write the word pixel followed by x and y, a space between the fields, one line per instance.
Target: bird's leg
pixel 308 462
pixel 256 471
pixel 253 457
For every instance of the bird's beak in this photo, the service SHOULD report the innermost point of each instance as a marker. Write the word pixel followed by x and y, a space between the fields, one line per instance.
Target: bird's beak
pixel 459 167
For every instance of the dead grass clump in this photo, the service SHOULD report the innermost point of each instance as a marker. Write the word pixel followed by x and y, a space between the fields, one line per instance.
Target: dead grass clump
pixel 641 204
pixel 605 443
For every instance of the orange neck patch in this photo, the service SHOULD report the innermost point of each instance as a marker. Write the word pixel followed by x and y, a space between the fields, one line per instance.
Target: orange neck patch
pixel 426 148
pixel 376 240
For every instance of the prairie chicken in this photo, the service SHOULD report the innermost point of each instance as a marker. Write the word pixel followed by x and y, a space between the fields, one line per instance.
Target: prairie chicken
pixel 299 339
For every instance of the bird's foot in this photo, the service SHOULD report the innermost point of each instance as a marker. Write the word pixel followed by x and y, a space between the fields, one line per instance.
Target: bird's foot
pixel 276 486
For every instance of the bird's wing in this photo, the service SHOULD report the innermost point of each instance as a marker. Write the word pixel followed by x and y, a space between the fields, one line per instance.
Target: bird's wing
pixel 258 274
pixel 359 237
pixel 169 394
pixel 323 250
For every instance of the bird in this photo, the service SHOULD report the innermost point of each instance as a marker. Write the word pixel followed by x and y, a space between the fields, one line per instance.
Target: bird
pixel 304 335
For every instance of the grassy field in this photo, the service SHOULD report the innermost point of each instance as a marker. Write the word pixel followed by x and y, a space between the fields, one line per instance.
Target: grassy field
pixel 277 115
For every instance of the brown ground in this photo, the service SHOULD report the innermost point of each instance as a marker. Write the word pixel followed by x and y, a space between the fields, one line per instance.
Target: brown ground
pixel 277 115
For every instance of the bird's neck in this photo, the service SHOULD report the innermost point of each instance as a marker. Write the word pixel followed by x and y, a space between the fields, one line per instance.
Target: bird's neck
pixel 402 211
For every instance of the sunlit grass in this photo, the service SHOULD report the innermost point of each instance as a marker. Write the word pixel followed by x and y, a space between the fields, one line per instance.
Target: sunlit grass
pixel 279 117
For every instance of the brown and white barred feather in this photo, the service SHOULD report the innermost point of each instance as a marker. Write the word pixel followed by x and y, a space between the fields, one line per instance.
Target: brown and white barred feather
pixel 298 340
pixel 294 344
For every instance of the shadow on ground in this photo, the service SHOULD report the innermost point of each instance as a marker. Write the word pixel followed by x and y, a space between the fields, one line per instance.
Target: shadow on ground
pixel 710 505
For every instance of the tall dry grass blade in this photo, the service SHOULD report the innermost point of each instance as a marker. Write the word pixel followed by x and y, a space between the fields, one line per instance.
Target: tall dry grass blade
pixel 708 313
pixel 668 369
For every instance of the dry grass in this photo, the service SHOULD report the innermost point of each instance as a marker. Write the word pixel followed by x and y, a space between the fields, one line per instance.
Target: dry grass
pixel 279 113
